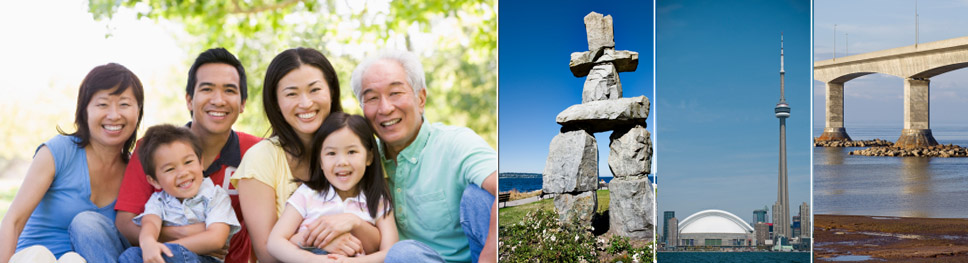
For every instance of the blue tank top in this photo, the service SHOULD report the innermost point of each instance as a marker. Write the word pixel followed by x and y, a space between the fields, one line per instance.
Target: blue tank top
pixel 68 195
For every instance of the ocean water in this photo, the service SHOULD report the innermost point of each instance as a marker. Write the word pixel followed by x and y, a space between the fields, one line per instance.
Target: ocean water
pixel 744 257
pixel 891 186
pixel 527 184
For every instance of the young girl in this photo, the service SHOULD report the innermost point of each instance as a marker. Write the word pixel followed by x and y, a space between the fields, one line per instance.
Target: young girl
pixel 346 177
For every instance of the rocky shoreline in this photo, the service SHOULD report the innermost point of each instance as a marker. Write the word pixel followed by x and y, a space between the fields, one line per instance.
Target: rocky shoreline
pixel 895 239
pixel 945 151
pixel 880 147
pixel 866 143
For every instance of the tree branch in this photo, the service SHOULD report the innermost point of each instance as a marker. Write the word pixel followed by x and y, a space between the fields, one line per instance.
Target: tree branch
pixel 236 9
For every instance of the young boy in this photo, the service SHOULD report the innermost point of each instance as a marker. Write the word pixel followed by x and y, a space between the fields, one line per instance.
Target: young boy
pixel 171 161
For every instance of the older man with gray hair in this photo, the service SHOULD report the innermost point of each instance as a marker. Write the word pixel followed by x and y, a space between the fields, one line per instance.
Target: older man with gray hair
pixel 438 174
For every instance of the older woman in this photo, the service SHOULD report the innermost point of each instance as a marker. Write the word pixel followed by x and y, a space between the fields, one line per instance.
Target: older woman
pixel 66 202
pixel 301 90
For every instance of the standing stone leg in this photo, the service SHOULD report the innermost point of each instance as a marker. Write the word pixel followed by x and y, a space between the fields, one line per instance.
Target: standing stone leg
pixel 576 207
pixel 572 164
pixel 834 129
pixel 630 208
pixel 630 152
pixel 917 120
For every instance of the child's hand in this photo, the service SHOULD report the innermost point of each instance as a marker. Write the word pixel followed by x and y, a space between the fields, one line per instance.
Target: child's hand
pixel 299 237
pixel 326 228
pixel 151 252
pixel 344 244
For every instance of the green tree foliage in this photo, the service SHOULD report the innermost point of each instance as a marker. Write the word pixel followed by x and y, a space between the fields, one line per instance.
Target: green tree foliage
pixel 456 40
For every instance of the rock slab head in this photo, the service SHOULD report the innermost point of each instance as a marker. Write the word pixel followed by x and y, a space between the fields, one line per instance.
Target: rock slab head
pixel 599 30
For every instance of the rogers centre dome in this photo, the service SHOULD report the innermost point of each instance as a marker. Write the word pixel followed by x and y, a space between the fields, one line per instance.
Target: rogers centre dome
pixel 714 228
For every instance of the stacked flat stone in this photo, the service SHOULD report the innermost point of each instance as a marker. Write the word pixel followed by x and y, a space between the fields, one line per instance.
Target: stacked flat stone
pixel 571 170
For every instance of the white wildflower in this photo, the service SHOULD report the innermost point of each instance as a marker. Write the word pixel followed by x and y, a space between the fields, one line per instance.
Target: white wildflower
pixel 553 238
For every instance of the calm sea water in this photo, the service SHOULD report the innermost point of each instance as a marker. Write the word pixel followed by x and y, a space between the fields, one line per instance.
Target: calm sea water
pixel 527 184
pixel 891 186
pixel 744 257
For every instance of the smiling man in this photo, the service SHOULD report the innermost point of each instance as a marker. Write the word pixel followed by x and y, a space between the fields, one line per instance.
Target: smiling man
pixel 438 174
pixel 215 96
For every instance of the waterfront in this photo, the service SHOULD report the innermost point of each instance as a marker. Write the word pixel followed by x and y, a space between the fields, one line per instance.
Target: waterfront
pixel 891 186
pixel 527 184
pixel 744 257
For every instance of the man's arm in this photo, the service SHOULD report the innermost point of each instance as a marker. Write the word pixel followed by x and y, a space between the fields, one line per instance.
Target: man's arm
pixel 132 231
pixel 489 252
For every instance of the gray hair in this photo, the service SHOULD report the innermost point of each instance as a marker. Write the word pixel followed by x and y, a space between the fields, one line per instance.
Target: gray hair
pixel 408 60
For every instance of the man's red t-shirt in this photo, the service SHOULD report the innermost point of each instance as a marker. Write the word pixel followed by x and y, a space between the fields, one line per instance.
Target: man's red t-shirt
pixel 135 189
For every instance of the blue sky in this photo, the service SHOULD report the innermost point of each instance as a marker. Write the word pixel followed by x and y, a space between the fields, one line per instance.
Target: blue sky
pixel 536 40
pixel 876 99
pixel 717 68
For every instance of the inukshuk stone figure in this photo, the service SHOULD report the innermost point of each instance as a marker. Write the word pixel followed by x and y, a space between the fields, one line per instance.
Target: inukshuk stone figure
pixel 571 171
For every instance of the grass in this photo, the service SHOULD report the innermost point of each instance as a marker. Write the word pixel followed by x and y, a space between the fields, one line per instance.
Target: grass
pixel 510 215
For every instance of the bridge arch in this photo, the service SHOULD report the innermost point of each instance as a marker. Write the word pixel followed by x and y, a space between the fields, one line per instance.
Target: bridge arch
pixel 915 64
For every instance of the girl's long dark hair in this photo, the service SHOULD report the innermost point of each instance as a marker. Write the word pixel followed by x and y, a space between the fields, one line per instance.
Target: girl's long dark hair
pixel 372 185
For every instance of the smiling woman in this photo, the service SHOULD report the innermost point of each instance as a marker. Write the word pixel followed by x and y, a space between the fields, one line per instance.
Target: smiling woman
pixel 301 90
pixel 66 202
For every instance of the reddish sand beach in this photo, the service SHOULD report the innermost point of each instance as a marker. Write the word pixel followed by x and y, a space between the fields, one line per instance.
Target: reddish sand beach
pixel 894 239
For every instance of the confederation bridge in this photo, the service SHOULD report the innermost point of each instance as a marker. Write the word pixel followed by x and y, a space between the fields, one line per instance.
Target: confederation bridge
pixel 916 64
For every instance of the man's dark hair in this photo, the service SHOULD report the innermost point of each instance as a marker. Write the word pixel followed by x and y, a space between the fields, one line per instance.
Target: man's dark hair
pixel 216 55
pixel 164 134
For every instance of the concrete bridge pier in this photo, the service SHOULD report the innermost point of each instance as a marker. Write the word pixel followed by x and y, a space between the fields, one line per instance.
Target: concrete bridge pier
pixel 917 117
pixel 834 129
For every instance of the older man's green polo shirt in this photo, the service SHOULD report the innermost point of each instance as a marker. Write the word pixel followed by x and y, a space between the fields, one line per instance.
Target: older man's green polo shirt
pixel 427 181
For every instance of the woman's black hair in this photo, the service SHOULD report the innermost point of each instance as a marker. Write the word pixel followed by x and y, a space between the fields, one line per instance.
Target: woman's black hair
pixel 111 76
pixel 372 185
pixel 281 65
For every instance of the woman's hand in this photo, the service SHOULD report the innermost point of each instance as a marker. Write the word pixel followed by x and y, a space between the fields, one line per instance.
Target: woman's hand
pixel 326 228
pixel 344 244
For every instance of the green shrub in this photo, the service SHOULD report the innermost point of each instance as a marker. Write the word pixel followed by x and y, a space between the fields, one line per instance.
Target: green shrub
pixel 541 238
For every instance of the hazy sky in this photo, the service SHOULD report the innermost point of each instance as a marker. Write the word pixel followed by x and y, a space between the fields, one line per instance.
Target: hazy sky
pixel 717 82
pixel 535 83
pixel 876 99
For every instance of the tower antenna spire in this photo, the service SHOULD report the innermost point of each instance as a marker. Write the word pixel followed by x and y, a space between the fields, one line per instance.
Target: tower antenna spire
pixel 781 210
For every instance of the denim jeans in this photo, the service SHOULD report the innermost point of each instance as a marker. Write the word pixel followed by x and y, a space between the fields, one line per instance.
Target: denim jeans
pixel 475 219
pixel 179 254
pixel 94 237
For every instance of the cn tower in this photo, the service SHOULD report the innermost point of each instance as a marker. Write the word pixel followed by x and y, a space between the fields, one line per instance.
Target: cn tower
pixel 782 110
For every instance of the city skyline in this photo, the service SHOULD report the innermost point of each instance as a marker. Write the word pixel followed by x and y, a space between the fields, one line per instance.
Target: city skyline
pixel 716 138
